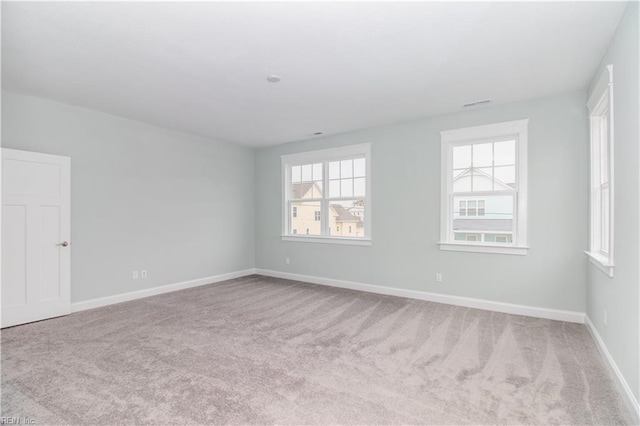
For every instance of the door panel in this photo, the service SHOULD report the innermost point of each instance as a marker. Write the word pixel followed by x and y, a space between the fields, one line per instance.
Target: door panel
pixel 36 266
pixel 50 252
pixel 30 178
pixel 14 261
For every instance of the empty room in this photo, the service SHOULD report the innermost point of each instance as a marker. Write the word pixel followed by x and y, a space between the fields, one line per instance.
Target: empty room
pixel 320 213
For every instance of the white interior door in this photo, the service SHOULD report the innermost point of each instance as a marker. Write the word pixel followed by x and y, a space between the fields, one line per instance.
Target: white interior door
pixel 36 253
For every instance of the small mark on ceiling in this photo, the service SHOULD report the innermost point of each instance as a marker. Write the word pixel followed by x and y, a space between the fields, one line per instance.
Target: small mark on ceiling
pixel 477 103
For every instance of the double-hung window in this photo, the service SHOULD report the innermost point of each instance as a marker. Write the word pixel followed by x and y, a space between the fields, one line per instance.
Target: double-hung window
pixel 484 189
pixel 600 106
pixel 328 193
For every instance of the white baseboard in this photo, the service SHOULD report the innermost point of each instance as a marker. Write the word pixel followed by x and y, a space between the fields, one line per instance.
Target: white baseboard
pixel 625 390
pixel 139 294
pixel 508 308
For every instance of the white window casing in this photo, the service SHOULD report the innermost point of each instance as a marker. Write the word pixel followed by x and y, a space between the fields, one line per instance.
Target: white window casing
pixel 493 133
pixel 324 157
pixel 601 182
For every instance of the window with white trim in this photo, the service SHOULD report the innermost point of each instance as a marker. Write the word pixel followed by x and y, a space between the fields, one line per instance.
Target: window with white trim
pixel 600 106
pixel 327 193
pixel 484 188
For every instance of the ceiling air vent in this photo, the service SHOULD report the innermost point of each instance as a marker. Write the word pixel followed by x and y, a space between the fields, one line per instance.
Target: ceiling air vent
pixel 477 103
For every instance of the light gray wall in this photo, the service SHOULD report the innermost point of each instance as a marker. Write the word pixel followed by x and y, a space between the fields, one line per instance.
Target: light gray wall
pixel 619 296
pixel 142 197
pixel 406 212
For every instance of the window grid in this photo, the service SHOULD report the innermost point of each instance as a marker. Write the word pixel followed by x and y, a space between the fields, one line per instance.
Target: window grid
pixel 490 162
pixel 352 176
pixel 472 209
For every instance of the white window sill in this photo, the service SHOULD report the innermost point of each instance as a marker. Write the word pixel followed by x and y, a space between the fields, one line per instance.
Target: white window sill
pixel 601 262
pixel 327 240
pixel 484 248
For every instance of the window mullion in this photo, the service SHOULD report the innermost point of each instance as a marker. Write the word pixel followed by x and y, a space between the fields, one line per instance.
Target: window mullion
pixel 324 218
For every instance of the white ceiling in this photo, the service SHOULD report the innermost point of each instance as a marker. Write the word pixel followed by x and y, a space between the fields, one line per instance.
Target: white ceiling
pixel 202 67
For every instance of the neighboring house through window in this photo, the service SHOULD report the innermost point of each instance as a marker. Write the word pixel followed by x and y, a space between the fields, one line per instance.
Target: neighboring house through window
pixel 328 192
pixel 484 188
pixel 472 207
pixel 600 106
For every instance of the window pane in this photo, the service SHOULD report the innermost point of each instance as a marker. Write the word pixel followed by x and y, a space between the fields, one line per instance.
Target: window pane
pixel 462 157
pixel 359 187
pixel 346 188
pixel 462 183
pixel 346 168
pixel 334 188
pixel 462 208
pixel 604 150
pixel 305 223
pixel 316 189
pixel 346 219
pixel 484 218
pixel 334 170
pixel 459 172
pixel 317 171
pixel 504 153
pixel 306 173
pixel 359 168
pixel 505 177
pixel 482 154
pixel 295 174
pixel 605 218
pixel 471 208
pixel 302 190
pixel 482 179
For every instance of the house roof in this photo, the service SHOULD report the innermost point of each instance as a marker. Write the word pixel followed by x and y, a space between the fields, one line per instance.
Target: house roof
pixel 501 225
pixel 477 172
pixel 343 215
pixel 300 189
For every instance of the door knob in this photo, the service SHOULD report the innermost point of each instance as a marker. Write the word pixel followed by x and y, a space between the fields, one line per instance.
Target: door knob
pixel 63 244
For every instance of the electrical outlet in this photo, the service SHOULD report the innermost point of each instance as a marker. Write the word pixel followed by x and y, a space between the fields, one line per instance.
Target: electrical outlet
pixel 143 273
pixel 605 317
pixel 134 275
pixel 438 277
pixel 287 260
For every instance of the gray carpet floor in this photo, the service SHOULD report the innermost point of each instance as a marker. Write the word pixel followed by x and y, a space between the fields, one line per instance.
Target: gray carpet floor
pixel 259 350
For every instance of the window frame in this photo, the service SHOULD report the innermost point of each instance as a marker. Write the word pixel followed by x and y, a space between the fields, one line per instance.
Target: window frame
pixel 512 130
pixel 325 156
pixel 600 106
